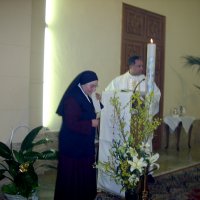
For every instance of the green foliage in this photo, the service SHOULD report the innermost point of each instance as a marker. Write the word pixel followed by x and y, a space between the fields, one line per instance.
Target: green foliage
pixel 18 166
pixel 142 123
pixel 194 62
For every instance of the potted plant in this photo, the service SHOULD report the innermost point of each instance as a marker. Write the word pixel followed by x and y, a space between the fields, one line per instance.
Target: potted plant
pixel 18 165
pixel 194 62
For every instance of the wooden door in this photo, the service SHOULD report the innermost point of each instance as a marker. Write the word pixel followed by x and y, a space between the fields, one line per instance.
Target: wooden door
pixel 138 27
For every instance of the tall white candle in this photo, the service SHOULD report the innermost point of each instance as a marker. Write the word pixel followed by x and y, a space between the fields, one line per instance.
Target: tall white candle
pixel 150 71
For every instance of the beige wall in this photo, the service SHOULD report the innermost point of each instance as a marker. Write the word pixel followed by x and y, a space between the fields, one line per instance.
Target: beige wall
pixel 15 23
pixel 36 62
pixel 86 34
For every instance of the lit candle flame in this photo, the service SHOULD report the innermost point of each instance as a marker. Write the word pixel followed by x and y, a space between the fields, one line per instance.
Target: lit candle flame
pixel 151 40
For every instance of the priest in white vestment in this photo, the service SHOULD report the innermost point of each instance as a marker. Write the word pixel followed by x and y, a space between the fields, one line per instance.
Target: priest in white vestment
pixel 134 79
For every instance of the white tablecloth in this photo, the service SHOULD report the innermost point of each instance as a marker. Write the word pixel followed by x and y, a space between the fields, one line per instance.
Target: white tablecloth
pixel 173 122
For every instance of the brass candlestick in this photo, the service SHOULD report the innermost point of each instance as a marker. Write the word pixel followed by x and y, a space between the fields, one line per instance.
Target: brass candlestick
pixel 145 192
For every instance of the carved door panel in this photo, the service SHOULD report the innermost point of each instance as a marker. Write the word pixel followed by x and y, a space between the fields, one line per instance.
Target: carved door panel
pixel 138 27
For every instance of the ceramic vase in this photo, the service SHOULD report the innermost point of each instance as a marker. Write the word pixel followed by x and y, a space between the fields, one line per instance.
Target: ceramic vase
pixel 131 194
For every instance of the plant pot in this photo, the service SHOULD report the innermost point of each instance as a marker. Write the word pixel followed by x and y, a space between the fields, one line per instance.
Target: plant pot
pixel 131 194
pixel 19 197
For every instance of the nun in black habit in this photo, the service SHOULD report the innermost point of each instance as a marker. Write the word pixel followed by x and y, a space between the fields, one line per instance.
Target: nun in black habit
pixel 76 176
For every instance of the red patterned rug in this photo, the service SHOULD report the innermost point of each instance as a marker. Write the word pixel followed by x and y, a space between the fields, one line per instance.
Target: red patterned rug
pixel 194 194
pixel 182 184
pixel 177 185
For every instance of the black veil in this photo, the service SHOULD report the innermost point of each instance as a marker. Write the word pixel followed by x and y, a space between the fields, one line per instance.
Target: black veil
pixel 82 78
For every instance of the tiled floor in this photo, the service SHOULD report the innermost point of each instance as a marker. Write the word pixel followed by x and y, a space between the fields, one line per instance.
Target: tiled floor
pixel 47 184
pixel 169 160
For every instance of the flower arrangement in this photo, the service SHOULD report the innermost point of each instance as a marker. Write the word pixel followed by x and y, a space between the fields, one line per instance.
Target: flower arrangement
pixel 131 154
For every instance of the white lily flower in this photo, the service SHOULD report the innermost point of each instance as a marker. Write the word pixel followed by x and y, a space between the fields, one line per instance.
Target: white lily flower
pixel 153 158
pixel 146 147
pixel 137 164
pixel 155 166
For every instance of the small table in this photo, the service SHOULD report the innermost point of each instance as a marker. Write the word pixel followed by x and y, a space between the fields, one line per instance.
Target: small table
pixel 174 124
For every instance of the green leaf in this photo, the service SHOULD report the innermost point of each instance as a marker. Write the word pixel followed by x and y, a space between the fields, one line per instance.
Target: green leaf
pixel 45 140
pixel 5 152
pixel 49 155
pixel 192 61
pixel 42 141
pixel 47 166
pixel 27 143
pixel 31 156
pixel 9 189
pixel 18 156
pixel 198 87
pixel 13 167
pixel 2 171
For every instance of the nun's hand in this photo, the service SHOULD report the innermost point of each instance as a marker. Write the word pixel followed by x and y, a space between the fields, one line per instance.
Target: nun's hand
pixel 98 96
pixel 95 123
